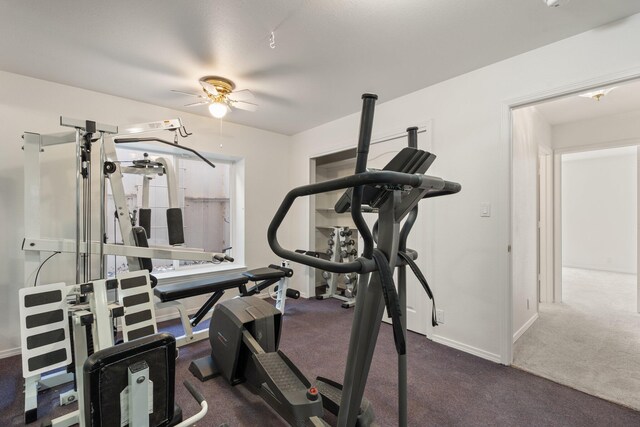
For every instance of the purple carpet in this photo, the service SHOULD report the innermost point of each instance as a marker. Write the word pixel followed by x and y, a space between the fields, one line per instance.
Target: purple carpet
pixel 446 387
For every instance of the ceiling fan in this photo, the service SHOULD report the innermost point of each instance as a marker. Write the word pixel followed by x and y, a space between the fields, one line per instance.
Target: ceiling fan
pixel 220 95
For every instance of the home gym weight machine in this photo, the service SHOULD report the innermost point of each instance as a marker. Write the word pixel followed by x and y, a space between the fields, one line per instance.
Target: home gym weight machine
pixel 86 135
pixel 125 384
pixel 244 333
pixel 170 296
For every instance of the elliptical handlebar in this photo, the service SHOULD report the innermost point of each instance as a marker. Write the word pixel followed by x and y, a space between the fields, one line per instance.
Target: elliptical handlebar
pixel 365 263
pixel 366 178
pixel 353 181
pixel 364 142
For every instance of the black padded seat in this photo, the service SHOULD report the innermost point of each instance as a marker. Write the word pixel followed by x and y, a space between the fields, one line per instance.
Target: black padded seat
pixel 265 273
pixel 200 287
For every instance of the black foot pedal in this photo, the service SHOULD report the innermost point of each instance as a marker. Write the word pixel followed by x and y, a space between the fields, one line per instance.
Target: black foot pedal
pixel 331 393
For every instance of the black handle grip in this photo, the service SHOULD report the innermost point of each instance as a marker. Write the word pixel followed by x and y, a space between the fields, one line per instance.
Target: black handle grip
pixel 450 187
pixel 194 391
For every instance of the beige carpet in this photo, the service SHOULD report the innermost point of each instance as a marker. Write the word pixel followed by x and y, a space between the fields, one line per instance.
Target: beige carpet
pixel 591 341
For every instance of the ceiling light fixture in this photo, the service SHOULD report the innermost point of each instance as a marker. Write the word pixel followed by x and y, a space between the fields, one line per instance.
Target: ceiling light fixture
pixel 597 94
pixel 221 97
pixel 218 109
pixel 555 3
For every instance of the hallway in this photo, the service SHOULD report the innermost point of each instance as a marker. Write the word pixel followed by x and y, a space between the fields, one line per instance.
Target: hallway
pixel 591 341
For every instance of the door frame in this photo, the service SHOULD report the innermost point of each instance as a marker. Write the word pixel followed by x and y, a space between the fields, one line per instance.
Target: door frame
pixel 545 226
pixel 506 187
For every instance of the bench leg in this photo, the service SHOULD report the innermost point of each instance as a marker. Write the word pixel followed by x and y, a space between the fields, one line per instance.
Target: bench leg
pixel 206 307
pixel 281 294
pixel 184 317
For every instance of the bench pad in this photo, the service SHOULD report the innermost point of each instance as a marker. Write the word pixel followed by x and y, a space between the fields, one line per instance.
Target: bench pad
pixel 199 287
pixel 265 273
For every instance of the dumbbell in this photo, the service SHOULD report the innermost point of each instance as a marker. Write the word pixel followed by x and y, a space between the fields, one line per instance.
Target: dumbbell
pixel 346 233
pixel 347 243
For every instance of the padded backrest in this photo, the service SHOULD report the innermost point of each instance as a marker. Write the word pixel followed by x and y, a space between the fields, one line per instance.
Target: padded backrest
pixel 44 328
pixel 105 375
pixel 136 296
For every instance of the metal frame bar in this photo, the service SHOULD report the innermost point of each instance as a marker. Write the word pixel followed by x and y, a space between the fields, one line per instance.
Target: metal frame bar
pixel 82 125
pixel 160 125
pixel 190 336
pixel 281 293
pixel 172 183
pixel 162 252
pixel 120 201
pixel 138 396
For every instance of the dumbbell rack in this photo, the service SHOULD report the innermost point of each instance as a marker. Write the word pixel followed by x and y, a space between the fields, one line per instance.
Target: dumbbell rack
pixel 342 243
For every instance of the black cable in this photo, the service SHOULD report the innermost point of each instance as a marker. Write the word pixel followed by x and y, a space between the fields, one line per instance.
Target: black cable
pixel 162 141
pixel 35 282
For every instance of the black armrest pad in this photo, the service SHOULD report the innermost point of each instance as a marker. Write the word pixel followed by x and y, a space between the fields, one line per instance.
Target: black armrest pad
pixel 264 273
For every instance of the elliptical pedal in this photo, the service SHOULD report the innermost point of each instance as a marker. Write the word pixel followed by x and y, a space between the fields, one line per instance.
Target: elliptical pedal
pixel 290 390
pixel 331 393
pixel 279 372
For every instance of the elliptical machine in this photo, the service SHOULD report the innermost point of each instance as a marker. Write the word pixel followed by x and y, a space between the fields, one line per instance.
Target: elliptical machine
pixel 244 332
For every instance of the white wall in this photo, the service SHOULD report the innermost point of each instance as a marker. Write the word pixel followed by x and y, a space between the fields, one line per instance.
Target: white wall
pixel 599 219
pixel 615 130
pixel 28 104
pixel 471 269
pixel 530 131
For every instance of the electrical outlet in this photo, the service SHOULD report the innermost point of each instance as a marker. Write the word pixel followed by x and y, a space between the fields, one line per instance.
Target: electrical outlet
pixel 440 316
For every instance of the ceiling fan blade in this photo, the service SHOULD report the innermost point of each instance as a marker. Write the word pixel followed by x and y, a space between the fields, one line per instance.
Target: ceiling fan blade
pixel 188 93
pixel 193 104
pixel 209 88
pixel 243 105
pixel 244 95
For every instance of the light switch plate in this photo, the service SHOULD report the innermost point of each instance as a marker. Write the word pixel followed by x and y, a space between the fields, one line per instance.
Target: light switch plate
pixel 485 210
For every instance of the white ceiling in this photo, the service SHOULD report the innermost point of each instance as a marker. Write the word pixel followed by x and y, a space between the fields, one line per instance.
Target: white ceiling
pixel 327 52
pixel 573 108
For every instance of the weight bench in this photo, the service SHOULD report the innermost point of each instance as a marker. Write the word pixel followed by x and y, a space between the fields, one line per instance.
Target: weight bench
pixel 262 278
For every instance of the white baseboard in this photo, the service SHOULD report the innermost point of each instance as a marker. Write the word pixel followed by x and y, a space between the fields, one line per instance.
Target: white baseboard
pixel 524 327
pixel 10 352
pixel 467 348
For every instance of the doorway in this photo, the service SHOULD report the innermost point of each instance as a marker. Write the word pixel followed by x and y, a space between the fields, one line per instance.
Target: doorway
pixel 584 329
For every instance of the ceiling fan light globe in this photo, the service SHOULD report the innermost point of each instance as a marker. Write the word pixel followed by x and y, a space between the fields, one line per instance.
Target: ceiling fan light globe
pixel 218 110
